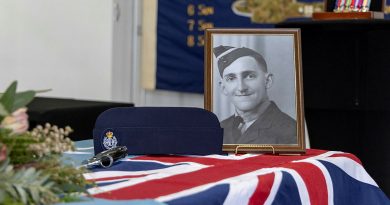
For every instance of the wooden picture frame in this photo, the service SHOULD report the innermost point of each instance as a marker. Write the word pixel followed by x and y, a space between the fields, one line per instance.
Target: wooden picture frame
pixel 256 74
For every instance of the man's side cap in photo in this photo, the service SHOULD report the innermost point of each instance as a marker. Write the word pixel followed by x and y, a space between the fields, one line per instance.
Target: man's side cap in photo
pixel 226 55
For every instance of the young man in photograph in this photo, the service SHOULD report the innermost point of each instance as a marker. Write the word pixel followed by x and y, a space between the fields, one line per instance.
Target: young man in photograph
pixel 245 81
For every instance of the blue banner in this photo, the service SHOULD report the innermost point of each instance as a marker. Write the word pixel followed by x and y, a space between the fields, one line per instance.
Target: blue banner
pixel 181 25
pixel 180 39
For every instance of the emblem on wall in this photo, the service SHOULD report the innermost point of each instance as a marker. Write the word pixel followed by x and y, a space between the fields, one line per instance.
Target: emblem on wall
pixel 275 11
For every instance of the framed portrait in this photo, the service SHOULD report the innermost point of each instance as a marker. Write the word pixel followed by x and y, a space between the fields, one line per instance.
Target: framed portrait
pixel 253 83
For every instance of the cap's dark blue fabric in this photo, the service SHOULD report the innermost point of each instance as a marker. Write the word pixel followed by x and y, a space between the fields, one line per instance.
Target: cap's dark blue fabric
pixel 159 130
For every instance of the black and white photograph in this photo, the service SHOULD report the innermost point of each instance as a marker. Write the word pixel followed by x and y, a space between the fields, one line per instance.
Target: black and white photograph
pixel 253 85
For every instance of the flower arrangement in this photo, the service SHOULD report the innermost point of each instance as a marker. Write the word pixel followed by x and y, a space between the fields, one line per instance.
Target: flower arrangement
pixel 31 171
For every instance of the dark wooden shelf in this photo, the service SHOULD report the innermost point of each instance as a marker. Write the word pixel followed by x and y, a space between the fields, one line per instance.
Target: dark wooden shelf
pixel 348 15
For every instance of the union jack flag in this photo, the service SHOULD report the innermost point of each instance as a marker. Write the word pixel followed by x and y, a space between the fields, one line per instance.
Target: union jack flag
pixel 318 177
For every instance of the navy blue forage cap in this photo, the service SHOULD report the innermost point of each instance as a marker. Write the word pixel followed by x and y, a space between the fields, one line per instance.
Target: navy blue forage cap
pixel 226 55
pixel 159 130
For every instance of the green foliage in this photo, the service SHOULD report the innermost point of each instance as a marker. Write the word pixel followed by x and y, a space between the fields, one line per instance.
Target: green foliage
pixel 32 172
pixel 10 100
pixel 3 111
pixel 18 145
pixel 23 98
pixel 67 178
pixel 34 179
pixel 26 186
pixel 9 96
pixel 34 175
